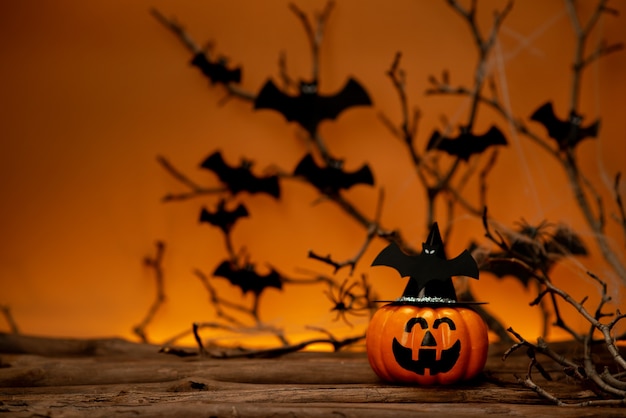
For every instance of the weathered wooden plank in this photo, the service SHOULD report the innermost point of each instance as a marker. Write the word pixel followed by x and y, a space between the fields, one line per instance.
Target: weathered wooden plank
pixel 305 377
pixel 64 347
pixel 105 377
pixel 204 409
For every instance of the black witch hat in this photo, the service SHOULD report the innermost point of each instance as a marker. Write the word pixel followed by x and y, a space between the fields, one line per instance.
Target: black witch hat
pixel 430 273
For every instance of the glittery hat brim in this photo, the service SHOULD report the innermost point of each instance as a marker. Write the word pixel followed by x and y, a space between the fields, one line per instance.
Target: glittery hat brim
pixel 429 301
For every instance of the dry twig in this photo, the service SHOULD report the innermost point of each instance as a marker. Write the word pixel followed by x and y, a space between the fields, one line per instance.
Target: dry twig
pixel 6 312
pixel 585 370
pixel 192 46
pixel 156 264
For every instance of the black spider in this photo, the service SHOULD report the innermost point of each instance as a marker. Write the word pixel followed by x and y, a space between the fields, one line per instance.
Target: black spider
pixel 345 302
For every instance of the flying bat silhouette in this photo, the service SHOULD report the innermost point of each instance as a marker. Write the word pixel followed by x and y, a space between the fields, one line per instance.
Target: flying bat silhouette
pixel 332 178
pixel 564 242
pixel 222 217
pixel 567 133
pixel 309 108
pixel 430 273
pixel 247 279
pixel 466 143
pixel 216 71
pixel 539 251
pixel 239 179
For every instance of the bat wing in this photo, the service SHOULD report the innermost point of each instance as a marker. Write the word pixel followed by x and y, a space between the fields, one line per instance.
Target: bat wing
pixel 216 72
pixel 466 144
pixel 478 144
pixel 362 176
pixel 331 179
pixel 462 265
pixel 240 212
pixel 206 216
pixel 352 94
pixel 435 140
pixel 565 242
pixel 242 278
pixel 226 270
pixel 270 97
pixel 223 218
pixel 393 256
pixel 545 114
pixel 307 167
pixel 429 268
pixel 457 147
pixel 224 75
pixel 240 178
pixel 269 185
pixel 591 130
pixel 425 268
pixel 557 129
pixel 216 163
pixel 251 281
pixel 504 267
pixel 272 279
pixel 248 280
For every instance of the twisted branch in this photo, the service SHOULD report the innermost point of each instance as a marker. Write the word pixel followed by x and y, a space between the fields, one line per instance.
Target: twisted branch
pixel 156 264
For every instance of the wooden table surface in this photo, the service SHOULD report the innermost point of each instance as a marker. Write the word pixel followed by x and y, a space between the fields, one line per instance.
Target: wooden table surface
pixel 42 377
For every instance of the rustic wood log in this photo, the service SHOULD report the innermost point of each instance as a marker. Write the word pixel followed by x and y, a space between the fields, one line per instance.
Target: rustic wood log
pixel 106 377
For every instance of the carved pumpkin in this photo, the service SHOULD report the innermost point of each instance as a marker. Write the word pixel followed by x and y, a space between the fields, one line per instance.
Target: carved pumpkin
pixel 426 345
pixel 426 336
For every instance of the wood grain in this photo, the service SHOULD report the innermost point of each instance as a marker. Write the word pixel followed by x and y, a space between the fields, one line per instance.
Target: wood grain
pixel 106 377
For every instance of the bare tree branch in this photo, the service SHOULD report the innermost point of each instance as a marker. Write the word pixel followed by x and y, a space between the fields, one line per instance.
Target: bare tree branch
pixel 6 312
pixel 193 47
pixel 156 264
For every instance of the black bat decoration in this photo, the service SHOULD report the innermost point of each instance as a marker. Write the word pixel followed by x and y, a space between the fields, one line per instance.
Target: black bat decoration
pixel 466 143
pixel 567 133
pixel 564 242
pixel 247 279
pixel 309 108
pixel 538 250
pixel 430 273
pixel 239 179
pixel 332 178
pixel 223 218
pixel 216 72
pixel 502 267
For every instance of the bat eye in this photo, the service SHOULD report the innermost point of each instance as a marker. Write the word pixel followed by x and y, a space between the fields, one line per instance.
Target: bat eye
pixel 308 89
pixel 430 251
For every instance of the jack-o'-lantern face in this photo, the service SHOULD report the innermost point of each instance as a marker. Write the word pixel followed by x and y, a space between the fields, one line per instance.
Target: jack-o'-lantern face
pixel 426 345
pixel 430 356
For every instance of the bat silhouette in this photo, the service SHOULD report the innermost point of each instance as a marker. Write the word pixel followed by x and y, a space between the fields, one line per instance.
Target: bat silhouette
pixel 223 218
pixel 247 279
pixel 466 143
pixel 506 267
pixel 309 108
pixel 564 241
pixel 539 252
pixel 429 272
pixel 567 133
pixel 239 179
pixel 331 179
pixel 216 71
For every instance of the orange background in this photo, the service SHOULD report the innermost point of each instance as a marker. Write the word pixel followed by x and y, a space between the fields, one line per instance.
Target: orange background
pixel 93 91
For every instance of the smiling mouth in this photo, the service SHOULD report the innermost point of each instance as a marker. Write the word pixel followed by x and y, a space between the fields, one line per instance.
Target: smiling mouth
pixel 426 358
